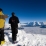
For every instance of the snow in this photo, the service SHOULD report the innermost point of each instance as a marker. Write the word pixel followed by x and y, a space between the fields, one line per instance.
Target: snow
pixel 30 36
pixel 44 23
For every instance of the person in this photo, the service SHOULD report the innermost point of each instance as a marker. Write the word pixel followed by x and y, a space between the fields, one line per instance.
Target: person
pixel 2 23
pixel 14 26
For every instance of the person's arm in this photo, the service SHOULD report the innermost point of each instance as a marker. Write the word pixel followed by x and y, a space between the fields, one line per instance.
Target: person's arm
pixel 9 20
pixel 18 20
pixel 5 16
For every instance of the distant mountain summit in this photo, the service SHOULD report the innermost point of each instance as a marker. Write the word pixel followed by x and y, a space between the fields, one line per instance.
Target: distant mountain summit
pixel 32 24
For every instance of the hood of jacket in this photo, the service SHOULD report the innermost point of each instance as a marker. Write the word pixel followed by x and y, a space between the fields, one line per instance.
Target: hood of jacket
pixel 1 13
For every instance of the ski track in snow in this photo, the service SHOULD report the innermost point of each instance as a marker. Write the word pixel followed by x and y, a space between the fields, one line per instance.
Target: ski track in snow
pixel 25 39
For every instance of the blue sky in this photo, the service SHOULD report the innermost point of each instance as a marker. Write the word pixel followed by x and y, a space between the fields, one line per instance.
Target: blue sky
pixel 26 10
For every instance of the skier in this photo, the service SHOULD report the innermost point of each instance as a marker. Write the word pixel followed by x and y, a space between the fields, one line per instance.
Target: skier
pixel 2 23
pixel 14 26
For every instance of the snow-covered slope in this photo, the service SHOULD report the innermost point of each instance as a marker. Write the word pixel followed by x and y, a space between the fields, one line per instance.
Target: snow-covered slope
pixel 25 39
pixel 7 26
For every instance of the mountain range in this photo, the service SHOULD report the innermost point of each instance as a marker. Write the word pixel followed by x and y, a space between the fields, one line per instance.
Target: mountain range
pixel 33 24
pixel 22 25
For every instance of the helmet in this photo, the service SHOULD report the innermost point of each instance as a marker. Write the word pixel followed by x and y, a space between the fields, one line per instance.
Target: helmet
pixel 13 13
pixel 1 9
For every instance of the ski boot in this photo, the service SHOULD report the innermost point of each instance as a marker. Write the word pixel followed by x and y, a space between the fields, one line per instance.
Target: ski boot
pixel 2 42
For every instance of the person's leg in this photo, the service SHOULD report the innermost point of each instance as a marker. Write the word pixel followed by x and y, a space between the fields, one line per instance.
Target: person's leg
pixel 15 34
pixel 15 37
pixel 2 34
pixel 12 36
pixel 2 37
